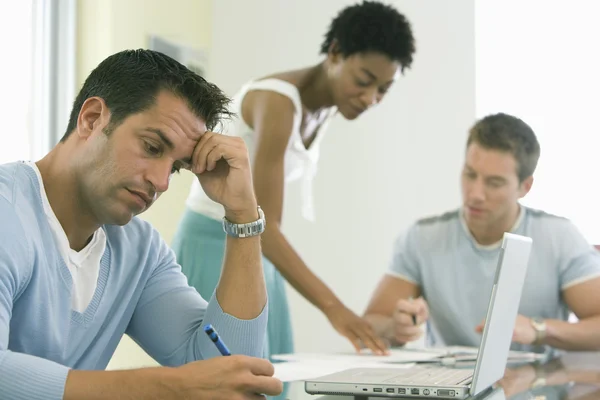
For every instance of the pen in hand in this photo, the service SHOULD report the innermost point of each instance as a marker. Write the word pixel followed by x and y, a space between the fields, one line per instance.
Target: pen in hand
pixel 414 316
pixel 216 339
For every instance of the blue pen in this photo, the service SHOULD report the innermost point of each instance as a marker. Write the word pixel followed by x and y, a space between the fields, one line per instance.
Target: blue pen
pixel 214 336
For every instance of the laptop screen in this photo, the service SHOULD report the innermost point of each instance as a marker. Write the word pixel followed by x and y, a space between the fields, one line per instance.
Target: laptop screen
pixel 502 312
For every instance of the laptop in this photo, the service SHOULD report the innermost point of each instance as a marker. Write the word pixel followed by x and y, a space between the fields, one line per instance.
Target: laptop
pixel 446 382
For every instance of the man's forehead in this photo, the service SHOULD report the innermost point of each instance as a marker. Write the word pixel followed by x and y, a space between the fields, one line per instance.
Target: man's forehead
pixel 491 169
pixel 476 152
pixel 185 148
pixel 174 109
pixel 195 134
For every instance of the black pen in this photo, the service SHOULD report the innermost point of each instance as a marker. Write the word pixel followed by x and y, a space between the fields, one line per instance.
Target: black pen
pixel 414 316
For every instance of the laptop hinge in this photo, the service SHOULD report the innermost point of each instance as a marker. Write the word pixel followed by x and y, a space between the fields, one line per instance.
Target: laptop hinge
pixel 466 381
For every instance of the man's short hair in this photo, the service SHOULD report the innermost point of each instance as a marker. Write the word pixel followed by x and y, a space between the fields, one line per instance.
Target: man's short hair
pixel 507 133
pixel 130 80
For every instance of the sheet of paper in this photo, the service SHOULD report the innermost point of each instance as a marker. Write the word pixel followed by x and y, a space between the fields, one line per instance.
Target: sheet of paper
pixel 463 353
pixel 398 356
pixel 395 356
pixel 309 369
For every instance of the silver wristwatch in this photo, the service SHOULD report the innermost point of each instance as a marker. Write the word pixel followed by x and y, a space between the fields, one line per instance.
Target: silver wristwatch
pixel 539 325
pixel 246 230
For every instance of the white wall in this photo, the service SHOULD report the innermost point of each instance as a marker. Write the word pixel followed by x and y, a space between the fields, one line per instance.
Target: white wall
pixel 399 162
pixel 109 26
pixel 17 24
pixel 549 78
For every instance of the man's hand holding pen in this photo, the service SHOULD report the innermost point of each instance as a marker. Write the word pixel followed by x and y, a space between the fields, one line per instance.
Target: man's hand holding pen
pixel 408 317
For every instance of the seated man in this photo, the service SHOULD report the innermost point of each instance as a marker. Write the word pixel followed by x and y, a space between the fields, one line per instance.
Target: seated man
pixel 447 263
pixel 78 270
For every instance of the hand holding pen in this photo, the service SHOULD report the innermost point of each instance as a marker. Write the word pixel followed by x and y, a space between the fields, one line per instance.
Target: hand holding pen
pixel 409 315
pixel 226 378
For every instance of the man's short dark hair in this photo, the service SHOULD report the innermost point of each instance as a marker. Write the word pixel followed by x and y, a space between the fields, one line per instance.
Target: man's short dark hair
pixel 129 82
pixel 372 26
pixel 510 134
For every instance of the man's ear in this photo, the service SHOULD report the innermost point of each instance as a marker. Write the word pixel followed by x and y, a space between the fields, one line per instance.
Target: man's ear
pixel 93 116
pixel 525 186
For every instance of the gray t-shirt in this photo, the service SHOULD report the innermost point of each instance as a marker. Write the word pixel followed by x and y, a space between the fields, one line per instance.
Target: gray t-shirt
pixel 455 273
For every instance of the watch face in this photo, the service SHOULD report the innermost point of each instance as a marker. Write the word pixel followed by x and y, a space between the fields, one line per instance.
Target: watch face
pixel 538 323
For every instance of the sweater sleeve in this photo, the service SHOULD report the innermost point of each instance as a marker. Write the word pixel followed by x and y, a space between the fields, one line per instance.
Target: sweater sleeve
pixel 168 319
pixel 22 376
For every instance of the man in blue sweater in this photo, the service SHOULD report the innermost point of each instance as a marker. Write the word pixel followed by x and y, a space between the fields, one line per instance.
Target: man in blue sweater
pixel 78 269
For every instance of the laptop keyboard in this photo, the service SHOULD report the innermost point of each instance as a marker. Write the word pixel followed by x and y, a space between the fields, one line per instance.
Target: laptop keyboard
pixel 431 376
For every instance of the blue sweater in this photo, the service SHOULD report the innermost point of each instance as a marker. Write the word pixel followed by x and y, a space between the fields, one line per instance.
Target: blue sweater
pixel 141 291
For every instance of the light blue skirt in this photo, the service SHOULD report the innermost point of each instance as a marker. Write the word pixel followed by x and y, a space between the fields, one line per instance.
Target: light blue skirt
pixel 199 245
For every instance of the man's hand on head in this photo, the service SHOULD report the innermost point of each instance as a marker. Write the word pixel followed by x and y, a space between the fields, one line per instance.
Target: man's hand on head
pixel 222 165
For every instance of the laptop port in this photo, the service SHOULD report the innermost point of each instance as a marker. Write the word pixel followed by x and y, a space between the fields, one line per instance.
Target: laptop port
pixel 445 392
pixel 414 391
pixel 390 390
pixel 401 391
pixel 377 390
pixel 425 392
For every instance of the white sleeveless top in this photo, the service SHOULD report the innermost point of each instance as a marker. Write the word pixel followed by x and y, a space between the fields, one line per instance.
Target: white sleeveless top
pixel 299 162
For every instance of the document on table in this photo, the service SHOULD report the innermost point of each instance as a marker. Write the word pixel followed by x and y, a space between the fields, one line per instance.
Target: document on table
pixel 395 356
pixel 303 366
pixel 465 353
pixel 291 371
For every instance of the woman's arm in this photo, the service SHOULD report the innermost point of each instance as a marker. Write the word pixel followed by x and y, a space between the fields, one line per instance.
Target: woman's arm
pixel 272 116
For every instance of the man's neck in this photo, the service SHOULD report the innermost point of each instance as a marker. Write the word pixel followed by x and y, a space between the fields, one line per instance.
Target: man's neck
pixel 66 202
pixel 493 233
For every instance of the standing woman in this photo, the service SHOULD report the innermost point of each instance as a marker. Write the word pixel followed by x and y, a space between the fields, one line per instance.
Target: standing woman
pixel 282 118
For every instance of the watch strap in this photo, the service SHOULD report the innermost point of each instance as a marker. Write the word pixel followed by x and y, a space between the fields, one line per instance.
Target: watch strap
pixel 249 229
